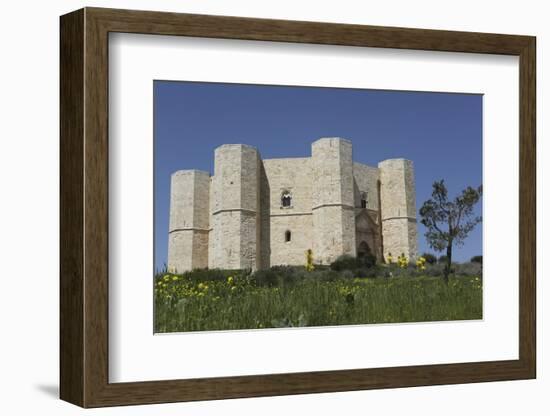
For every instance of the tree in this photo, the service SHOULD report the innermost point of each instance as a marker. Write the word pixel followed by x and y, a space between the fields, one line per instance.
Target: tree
pixel 449 222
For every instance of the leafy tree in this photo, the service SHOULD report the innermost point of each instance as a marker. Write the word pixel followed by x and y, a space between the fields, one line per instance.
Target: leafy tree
pixel 447 221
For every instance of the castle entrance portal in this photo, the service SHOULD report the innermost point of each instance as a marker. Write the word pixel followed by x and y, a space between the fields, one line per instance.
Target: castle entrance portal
pixel 363 249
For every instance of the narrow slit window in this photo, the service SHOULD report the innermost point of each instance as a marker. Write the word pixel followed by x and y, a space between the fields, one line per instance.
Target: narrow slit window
pixel 363 199
pixel 288 236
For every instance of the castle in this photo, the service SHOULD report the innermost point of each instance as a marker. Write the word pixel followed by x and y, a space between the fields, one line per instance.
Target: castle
pixel 256 213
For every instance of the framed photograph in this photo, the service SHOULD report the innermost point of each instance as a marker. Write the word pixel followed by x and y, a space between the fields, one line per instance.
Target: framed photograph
pixel 254 207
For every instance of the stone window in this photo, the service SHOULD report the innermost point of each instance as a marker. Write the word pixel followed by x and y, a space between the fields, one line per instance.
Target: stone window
pixel 286 199
pixel 288 236
pixel 363 199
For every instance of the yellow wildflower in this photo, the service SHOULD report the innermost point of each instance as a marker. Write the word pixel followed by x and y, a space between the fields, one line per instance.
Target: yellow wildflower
pixel 309 260
pixel 421 263
pixel 402 261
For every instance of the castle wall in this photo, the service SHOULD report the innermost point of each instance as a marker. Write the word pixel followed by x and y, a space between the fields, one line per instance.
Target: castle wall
pixel 292 175
pixel 189 220
pixel 292 252
pixel 398 208
pixel 236 219
pixel 332 200
pixel 235 208
pixel 366 180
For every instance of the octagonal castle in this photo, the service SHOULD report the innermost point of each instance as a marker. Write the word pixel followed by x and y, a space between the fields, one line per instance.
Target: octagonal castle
pixel 256 213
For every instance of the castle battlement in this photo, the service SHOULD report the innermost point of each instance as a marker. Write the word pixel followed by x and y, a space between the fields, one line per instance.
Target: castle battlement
pixel 255 213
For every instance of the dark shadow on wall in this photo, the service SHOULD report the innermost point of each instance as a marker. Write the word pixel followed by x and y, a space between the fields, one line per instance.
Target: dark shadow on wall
pixel 265 220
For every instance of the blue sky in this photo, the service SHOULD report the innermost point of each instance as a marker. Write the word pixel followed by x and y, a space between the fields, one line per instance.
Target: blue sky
pixel 440 132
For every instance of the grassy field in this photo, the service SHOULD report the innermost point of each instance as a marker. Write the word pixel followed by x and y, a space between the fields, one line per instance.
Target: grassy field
pixel 225 300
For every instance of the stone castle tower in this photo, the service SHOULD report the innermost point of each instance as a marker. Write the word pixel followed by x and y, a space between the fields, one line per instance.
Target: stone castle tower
pixel 256 213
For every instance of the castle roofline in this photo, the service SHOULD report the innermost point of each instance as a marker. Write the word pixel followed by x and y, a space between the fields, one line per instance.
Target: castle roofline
pixel 394 160
pixel 189 172
pixel 324 139
pixel 228 145
pixel 287 158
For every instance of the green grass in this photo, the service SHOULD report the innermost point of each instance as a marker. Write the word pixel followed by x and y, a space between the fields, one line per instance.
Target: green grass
pixel 213 301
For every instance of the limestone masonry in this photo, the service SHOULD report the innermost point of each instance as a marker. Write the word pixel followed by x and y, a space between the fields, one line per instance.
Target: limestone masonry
pixel 256 213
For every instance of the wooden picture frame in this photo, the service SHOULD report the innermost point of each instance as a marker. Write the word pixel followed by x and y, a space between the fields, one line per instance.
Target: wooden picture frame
pixel 84 207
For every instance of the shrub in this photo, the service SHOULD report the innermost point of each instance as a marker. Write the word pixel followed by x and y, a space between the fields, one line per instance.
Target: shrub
pixel 468 269
pixel 288 274
pixel 371 272
pixel 442 259
pixel 280 275
pixel 347 274
pixel 368 260
pixel 435 270
pixel 325 275
pixel 430 258
pixel 266 277
pixel 477 259
pixel 406 270
pixel 346 262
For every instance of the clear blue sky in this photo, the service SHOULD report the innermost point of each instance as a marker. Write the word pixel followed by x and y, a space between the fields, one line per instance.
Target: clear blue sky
pixel 441 133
